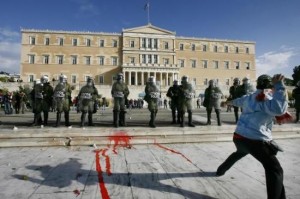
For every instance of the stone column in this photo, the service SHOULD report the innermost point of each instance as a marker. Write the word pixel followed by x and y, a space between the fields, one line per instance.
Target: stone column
pixel 129 77
pixel 136 79
pixel 142 78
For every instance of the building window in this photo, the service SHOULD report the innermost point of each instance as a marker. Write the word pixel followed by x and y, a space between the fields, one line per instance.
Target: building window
pixel 155 43
pixel 101 43
pixel 204 63
pixel 193 47
pixel 247 65
pixel 181 47
pixel 101 79
pixel 194 81
pixel 32 40
pixel 166 45
pixel 60 59
pixel 204 48
pixel 247 50
pixel 193 63
pixel 237 65
pixel 101 60
pixel 149 43
pixel 115 43
pixel 46 59
pixel 236 49
pixel 205 81
pixel 226 49
pixel 61 41
pixel 181 63
pixel 88 42
pixel 227 82
pixel 31 59
pixel 74 42
pixel 143 42
pixel 149 59
pixel 216 64
pixel 155 59
pixel 88 60
pixel 215 49
pixel 143 59
pixel 30 78
pixel 132 60
pixel 132 44
pixel 114 61
pixel 47 41
pixel 74 59
pixel 226 64
pixel 166 61
pixel 73 79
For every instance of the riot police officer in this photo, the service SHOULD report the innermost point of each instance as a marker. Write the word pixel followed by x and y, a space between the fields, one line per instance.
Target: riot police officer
pixel 62 98
pixel 186 94
pixel 173 93
pixel 246 88
pixel 120 93
pixel 87 97
pixel 152 97
pixel 212 100
pixel 43 93
pixel 233 94
pixel 296 96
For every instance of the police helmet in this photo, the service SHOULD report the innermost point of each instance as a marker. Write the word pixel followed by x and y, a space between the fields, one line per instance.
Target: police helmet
pixel 44 79
pixel 264 82
pixel 246 80
pixel 298 84
pixel 63 78
pixel 120 76
pixel 151 79
pixel 212 82
pixel 175 82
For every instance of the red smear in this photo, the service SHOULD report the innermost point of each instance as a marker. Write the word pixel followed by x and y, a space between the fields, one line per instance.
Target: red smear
pixel 261 96
pixel 76 192
pixel 120 138
pixel 107 161
pixel 171 150
pixel 287 117
pixel 103 189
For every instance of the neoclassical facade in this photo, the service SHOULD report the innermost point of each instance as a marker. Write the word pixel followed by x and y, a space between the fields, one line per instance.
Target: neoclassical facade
pixel 138 53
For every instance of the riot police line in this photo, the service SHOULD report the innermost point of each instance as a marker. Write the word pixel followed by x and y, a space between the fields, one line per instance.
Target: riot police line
pixel 44 96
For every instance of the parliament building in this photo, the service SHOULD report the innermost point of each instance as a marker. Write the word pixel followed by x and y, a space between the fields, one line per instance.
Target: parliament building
pixel 138 53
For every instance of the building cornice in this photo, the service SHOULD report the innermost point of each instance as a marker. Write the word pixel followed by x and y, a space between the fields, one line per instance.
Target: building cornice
pixel 24 30
pixel 215 40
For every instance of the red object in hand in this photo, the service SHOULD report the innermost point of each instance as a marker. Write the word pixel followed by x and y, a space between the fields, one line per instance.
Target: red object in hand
pixel 261 96
pixel 284 118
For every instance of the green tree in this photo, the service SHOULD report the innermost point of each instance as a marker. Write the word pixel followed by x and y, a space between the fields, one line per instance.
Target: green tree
pixel 296 75
pixel 288 82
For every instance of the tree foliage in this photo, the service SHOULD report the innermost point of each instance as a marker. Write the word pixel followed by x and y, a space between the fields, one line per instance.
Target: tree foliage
pixel 296 75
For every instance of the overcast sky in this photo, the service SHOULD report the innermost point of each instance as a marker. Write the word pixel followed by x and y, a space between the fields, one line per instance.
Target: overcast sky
pixel 273 24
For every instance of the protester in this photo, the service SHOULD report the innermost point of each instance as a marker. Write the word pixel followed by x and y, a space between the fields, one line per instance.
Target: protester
pixel 253 132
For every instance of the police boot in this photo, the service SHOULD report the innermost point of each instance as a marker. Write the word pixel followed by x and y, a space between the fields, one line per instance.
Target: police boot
pixel 182 124
pixel 173 116
pixel 58 117
pixel 208 117
pixel 90 118
pixel 116 118
pixel 38 119
pixel 178 117
pixel 190 119
pixel 45 118
pixel 67 118
pixel 122 120
pixel 82 121
pixel 218 117
pixel 236 115
pixel 152 119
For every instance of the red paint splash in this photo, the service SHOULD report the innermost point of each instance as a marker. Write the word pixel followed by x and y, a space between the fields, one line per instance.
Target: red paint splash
pixel 107 161
pixel 173 151
pixel 120 138
pixel 103 189
pixel 76 192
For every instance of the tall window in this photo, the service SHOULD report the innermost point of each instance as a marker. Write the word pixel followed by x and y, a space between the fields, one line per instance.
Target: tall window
pixel 47 41
pixel 101 60
pixel 32 40
pixel 115 43
pixel 215 48
pixel 143 42
pixel 88 60
pixel 143 59
pixel 205 81
pixel 149 43
pixel 74 59
pixel 132 60
pixel 237 65
pixel 73 79
pixel 204 48
pixel 193 63
pixel 181 47
pixel 155 59
pixel 61 41
pixel 101 43
pixel 31 78
pixel 114 61
pixel 155 43
pixel 88 42
pixel 166 61
pixel 46 59
pixel 181 63
pixel 193 47
pixel 204 63
pixel 101 79
pixel 166 45
pixel 195 81
pixel 247 50
pixel 31 59
pixel 131 44
pixel 149 59
pixel 226 49
pixel 226 64
pixel 216 64
pixel 247 65
pixel 227 82
pixel 74 42
pixel 60 59
pixel 236 49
